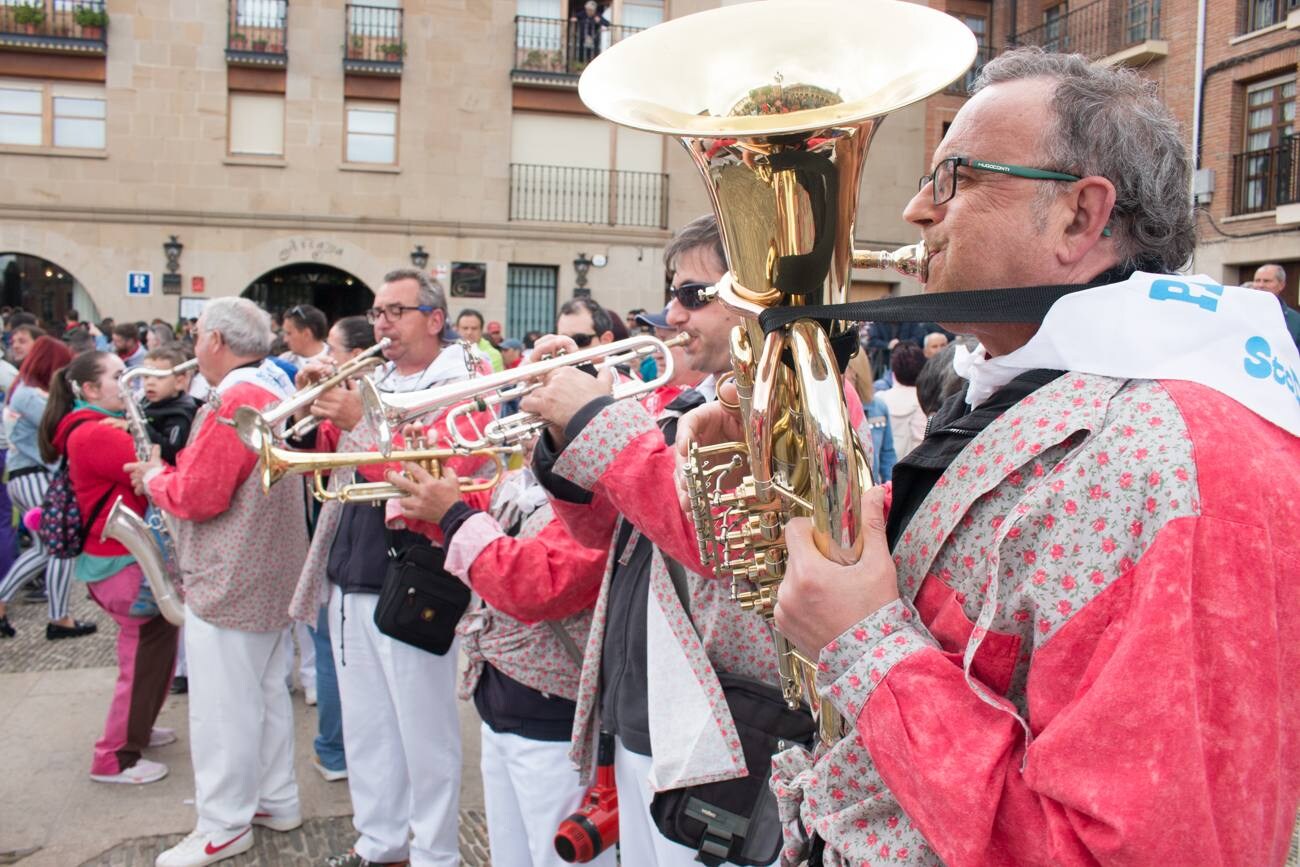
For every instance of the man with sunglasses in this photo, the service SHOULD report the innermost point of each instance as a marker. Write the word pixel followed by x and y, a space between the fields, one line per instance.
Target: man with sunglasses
pixel 1071 637
pixel 609 469
pixel 305 330
pixel 400 726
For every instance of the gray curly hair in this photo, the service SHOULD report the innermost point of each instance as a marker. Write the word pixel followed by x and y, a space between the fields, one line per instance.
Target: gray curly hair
pixel 1109 122
pixel 245 327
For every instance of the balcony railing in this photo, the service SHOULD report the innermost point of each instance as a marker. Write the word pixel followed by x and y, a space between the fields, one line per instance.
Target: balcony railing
pixel 962 86
pixel 1097 29
pixel 555 47
pixel 562 194
pixel 375 44
pixel 1264 179
pixel 63 26
pixel 258 33
pixel 1258 14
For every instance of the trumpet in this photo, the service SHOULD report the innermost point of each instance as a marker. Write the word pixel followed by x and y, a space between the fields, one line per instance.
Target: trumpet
pixel 389 411
pixel 279 462
pixel 254 428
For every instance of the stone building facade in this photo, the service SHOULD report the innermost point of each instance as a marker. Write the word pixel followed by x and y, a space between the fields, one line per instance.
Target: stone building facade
pixel 300 150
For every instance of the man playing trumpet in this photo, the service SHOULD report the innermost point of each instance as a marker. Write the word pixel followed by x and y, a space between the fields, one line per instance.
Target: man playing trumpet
pixel 1071 637
pixel 401 733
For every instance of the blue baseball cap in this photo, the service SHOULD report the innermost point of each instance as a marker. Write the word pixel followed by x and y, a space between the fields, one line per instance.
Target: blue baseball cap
pixel 655 320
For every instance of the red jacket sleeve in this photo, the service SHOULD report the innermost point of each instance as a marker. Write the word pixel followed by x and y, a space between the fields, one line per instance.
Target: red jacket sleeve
pixel 216 463
pixel 546 577
pixel 1159 713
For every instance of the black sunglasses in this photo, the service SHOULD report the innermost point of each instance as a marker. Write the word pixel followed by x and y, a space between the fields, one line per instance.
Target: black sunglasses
pixel 582 340
pixel 692 296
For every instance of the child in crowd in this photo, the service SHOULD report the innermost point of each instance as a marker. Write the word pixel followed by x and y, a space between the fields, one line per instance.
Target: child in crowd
pixel 168 407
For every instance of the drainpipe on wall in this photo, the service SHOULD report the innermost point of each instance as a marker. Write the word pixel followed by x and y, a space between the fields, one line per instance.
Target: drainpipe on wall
pixel 1199 90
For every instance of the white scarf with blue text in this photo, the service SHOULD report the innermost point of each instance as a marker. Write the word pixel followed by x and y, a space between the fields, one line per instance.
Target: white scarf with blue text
pixel 1159 326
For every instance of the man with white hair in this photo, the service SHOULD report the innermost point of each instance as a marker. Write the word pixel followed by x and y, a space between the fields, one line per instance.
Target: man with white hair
pixel 240 554
pixel 1271 278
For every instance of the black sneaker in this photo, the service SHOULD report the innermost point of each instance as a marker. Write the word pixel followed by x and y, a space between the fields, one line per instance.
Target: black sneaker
pixel 35 596
pixel 6 631
pixel 53 631
pixel 180 685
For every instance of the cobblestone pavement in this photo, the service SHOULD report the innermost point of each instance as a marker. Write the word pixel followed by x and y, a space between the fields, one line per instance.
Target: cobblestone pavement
pixel 73 679
pixel 30 651
pixel 311 844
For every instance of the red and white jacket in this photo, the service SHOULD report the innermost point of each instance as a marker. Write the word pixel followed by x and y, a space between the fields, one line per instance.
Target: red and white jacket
pixel 240 550
pixel 1096 657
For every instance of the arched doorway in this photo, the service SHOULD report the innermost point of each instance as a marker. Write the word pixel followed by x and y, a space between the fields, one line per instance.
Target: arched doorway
pixel 334 291
pixel 44 288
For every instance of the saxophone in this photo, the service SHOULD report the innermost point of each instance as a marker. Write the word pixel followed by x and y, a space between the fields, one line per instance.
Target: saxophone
pixel 150 541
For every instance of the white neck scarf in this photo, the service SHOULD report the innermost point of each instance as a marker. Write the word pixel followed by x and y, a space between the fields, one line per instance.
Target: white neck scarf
pixel 1157 326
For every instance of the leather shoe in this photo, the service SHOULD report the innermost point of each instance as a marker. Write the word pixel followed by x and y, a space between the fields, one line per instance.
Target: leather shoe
pixel 6 630
pixel 180 685
pixel 54 631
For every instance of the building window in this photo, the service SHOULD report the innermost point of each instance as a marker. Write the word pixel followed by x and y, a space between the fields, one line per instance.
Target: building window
pixel 372 132
pixel 642 13
pixel 21 115
pixel 1265 13
pixel 530 299
pixel 1143 20
pixel 79 120
pixel 257 124
pixel 1263 170
pixel 55 114
pixel 1054 38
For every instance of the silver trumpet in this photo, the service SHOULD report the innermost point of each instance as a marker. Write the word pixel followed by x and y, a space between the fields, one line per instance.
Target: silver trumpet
pixel 389 411
pixel 255 427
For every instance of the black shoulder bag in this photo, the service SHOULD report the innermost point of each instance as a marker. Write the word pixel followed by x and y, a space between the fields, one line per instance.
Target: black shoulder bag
pixel 735 821
pixel 421 602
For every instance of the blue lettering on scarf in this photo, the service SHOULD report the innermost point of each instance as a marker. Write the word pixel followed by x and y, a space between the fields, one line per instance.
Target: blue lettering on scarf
pixel 1260 364
pixel 1173 290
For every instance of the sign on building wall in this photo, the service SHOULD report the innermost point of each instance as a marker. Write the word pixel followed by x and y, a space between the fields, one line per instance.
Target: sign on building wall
pixel 197 285
pixel 139 283
pixel 468 280
pixel 192 308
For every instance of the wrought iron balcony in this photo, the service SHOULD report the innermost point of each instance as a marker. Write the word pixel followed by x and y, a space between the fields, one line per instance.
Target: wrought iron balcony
pixel 375 45
pixel 257 33
pixel 1264 179
pixel 1102 28
pixel 962 86
pixel 562 194
pixel 553 50
pixel 55 26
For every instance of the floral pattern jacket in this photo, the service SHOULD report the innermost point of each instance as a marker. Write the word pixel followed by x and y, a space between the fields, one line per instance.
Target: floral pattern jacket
pixel 1096 656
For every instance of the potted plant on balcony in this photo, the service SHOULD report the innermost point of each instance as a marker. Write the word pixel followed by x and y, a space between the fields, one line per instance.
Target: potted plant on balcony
pixel 238 41
pixel 91 21
pixel 259 45
pixel 356 47
pixel 29 16
pixel 393 51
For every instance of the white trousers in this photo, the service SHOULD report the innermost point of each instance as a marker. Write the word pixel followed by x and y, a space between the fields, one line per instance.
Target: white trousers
pixel 639 841
pixel 401 734
pixel 529 787
pixel 241 725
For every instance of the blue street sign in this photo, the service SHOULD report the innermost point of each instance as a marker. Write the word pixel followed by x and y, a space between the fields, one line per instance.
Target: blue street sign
pixel 139 283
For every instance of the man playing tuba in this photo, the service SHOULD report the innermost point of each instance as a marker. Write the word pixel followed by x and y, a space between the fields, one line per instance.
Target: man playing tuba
pixel 1071 636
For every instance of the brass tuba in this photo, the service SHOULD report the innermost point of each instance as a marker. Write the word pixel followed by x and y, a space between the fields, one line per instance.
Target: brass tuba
pixel 776 103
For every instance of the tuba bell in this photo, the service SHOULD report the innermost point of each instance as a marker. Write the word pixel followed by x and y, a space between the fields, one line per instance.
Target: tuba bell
pixel 777 112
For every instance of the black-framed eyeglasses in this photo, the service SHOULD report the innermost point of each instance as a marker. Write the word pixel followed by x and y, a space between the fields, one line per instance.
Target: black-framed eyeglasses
pixel 692 295
pixel 944 176
pixel 394 312
pixel 582 340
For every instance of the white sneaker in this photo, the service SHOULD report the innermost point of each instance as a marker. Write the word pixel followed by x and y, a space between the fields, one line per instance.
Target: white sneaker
pixel 277 823
pixel 330 776
pixel 161 737
pixel 204 847
pixel 309 692
pixel 143 771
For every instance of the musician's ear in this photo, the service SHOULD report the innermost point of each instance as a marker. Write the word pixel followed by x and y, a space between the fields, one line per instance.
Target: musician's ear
pixel 437 322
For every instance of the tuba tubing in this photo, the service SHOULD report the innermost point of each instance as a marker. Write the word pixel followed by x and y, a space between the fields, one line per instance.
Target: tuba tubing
pixel 128 528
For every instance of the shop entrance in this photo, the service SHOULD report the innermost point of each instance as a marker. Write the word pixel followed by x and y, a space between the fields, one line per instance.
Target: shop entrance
pixel 44 288
pixel 334 291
